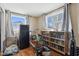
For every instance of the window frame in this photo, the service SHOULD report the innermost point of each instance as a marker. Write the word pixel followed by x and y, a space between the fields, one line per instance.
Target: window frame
pixel 56 12
pixel 21 16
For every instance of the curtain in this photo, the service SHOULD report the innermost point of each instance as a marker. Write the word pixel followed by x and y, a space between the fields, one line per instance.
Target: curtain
pixel 2 28
pixel 73 39
pixel 9 28
pixel 67 26
pixel 65 19
pixel 70 41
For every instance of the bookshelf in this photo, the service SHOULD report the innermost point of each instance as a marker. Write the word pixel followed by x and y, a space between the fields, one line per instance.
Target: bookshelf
pixel 56 41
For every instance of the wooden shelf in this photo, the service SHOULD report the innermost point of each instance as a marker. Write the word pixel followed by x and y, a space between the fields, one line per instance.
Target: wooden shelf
pixel 52 37
pixel 57 38
pixel 54 43
pixel 57 41
pixel 57 44
pixel 56 50
pixel 46 40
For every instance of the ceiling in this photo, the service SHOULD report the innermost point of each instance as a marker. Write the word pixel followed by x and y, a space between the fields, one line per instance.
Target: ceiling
pixel 32 9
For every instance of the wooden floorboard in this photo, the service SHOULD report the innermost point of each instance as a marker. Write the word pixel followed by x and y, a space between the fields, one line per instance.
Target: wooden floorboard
pixel 26 52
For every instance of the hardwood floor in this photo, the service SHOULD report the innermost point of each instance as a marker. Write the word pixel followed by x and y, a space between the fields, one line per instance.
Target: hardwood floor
pixel 31 52
pixel 0 54
pixel 26 52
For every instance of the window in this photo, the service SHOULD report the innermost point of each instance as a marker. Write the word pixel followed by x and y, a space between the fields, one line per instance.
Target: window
pixel 17 20
pixel 50 22
pixel 55 22
pixel 60 22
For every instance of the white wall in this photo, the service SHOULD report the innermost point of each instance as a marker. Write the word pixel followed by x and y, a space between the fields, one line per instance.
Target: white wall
pixel 33 23
pixel 78 17
pixel 36 24
pixel 40 23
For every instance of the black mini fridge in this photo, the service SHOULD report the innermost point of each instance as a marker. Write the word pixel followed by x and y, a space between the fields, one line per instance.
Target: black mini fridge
pixel 24 37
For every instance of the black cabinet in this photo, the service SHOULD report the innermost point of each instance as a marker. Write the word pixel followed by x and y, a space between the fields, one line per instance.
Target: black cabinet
pixel 24 37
